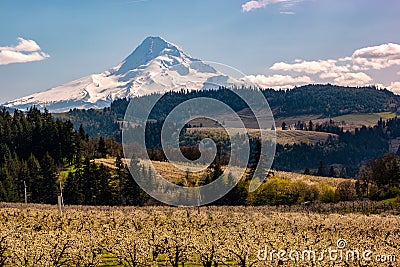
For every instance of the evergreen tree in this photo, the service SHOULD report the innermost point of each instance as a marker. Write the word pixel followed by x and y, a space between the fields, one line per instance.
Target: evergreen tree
pixel 82 134
pixel 322 170
pixel 73 194
pixel 49 186
pixel 8 188
pixel 35 180
pixel 237 196
pixel 310 126
pixel 131 192
pixel 9 176
pixel 102 148
pixel 89 182
pixel 214 171
pixel 102 194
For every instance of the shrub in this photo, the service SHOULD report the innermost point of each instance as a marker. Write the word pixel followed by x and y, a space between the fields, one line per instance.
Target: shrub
pixel 346 191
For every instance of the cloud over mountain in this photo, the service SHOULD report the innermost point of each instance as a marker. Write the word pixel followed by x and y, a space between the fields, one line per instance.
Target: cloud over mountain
pixel 279 81
pixel 351 70
pixel 377 57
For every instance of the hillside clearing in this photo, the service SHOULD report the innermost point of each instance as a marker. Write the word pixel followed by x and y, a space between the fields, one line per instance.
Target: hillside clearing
pixel 283 137
pixel 352 121
pixel 178 176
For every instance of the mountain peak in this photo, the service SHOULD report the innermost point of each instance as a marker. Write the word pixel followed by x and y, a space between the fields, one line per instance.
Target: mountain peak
pixel 156 39
pixel 155 66
pixel 155 42
pixel 151 48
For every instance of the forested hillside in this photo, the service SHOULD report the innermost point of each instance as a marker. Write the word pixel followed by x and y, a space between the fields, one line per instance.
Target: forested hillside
pixel 331 100
pixel 40 152
pixel 32 145
pixel 346 153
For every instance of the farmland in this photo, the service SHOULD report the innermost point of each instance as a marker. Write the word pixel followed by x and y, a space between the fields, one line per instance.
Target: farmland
pixel 282 136
pixel 36 235
pixel 352 121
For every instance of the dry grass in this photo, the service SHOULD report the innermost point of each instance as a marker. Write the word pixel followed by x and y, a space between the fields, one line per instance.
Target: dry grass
pixel 179 176
pixel 166 169
pixel 176 175
pixel 108 162
pixel 309 179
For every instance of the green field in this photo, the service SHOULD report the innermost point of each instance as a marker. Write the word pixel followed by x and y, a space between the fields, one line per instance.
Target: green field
pixel 358 120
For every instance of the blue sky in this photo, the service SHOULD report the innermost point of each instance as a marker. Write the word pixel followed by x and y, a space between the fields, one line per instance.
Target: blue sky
pixel 278 43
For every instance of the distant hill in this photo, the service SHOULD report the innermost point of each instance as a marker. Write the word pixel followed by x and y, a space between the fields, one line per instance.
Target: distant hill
pixel 304 103
pixel 326 148
pixel 331 100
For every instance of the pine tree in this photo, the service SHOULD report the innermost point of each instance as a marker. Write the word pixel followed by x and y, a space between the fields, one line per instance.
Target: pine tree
pixel 73 194
pixel 35 180
pixel 8 192
pixel 49 186
pixel 88 177
pixel 237 196
pixel 9 176
pixel 131 192
pixel 310 126
pixel 102 149
pixel 82 134
pixel 214 171
pixel 103 194
pixel 322 170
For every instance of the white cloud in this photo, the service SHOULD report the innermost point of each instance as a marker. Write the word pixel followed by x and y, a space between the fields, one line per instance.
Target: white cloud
pixel 279 81
pixel 344 59
pixel 8 57
pixel 353 79
pixel 310 67
pixel 23 46
pixel 326 68
pixel 24 51
pixel 377 57
pixel 287 12
pixel 27 45
pixel 395 87
pixel 256 4
pixel 347 70
pixel 329 75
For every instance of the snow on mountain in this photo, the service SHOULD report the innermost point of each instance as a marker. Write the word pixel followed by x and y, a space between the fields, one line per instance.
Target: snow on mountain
pixel 154 66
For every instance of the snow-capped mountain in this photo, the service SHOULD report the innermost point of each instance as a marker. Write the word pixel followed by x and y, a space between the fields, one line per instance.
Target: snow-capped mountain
pixel 154 66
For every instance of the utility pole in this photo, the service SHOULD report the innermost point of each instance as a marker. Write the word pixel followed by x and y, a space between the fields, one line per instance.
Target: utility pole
pixel 59 203
pixel 198 198
pixel 61 195
pixel 25 193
